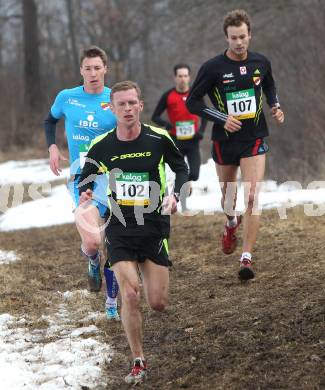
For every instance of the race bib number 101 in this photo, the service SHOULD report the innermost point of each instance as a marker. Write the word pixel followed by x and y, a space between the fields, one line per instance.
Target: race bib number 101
pixel 132 189
pixel 242 104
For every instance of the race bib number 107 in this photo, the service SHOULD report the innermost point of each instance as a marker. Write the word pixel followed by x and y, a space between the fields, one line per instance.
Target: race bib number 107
pixel 242 104
pixel 132 189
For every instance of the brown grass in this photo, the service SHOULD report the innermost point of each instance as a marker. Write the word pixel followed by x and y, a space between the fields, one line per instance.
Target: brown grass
pixel 217 333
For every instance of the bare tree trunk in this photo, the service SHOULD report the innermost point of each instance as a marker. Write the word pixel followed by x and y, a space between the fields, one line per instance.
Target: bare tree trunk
pixel 72 33
pixel 1 45
pixel 32 82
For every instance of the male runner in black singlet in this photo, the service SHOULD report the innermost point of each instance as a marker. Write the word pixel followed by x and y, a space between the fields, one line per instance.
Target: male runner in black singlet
pixel 234 82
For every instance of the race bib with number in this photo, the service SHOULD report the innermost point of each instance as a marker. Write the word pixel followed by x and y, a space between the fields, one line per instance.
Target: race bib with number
pixel 83 150
pixel 132 189
pixel 242 104
pixel 185 130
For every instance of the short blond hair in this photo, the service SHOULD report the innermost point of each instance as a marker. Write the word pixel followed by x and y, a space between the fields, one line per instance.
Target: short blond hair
pixel 125 86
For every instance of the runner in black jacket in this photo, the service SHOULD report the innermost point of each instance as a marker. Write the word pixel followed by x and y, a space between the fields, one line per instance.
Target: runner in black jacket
pixel 235 82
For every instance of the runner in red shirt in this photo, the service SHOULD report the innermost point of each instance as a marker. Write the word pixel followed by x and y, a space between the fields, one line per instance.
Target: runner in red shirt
pixel 185 128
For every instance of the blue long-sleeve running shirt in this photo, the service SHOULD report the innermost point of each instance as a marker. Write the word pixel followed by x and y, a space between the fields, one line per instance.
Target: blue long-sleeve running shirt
pixel 86 117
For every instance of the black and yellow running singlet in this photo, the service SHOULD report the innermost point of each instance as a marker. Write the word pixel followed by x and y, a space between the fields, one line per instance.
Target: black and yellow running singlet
pixel 137 179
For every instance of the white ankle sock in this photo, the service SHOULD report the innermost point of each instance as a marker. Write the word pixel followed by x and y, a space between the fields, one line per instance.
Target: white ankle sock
pixel 246 255
pixel 111 302
pixel 143 360
pixel 232 222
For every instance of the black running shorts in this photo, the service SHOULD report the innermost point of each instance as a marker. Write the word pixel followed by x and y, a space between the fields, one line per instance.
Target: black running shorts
pixel 138 249
pixel 230 152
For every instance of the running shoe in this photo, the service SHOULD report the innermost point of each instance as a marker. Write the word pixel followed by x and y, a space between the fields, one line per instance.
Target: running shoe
pixel 112 313
pixel 245 271
pixel 94 277
pixel 138 373
pixel 229 239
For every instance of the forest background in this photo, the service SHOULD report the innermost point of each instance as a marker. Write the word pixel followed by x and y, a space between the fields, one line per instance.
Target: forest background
pixel 40 42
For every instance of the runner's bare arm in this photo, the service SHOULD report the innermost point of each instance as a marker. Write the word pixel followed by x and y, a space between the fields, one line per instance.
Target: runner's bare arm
pixel 169 205
pixel 277 114
pixel 232 124
pixel 55 157
pixel 85 196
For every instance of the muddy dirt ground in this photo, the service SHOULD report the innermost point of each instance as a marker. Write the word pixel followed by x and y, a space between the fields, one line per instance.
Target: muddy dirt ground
pixel 217 333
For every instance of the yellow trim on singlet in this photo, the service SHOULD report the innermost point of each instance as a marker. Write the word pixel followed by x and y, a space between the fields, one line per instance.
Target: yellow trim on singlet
pixel 259 110
pixel 162 176
pixel 160 131
pixel 165 242
pixel 99 138
pixel 161 166
pixel 221 106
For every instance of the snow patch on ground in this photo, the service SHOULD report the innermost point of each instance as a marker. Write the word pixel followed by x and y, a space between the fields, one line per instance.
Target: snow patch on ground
pixel 31 171
pixel 56 209
pixel 7 257
pixel 61 356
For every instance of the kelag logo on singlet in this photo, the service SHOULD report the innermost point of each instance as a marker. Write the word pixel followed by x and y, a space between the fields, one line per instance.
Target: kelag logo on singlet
pixel 79 137
pixel 89 122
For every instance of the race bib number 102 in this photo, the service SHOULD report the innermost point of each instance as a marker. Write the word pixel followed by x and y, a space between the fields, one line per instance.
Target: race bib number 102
pixel 242 104
pixel 132 189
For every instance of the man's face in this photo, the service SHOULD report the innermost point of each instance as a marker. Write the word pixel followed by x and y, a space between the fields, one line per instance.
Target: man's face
pixel 127 107
pixel 238 39
pixel 93 72
pixel 182 79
